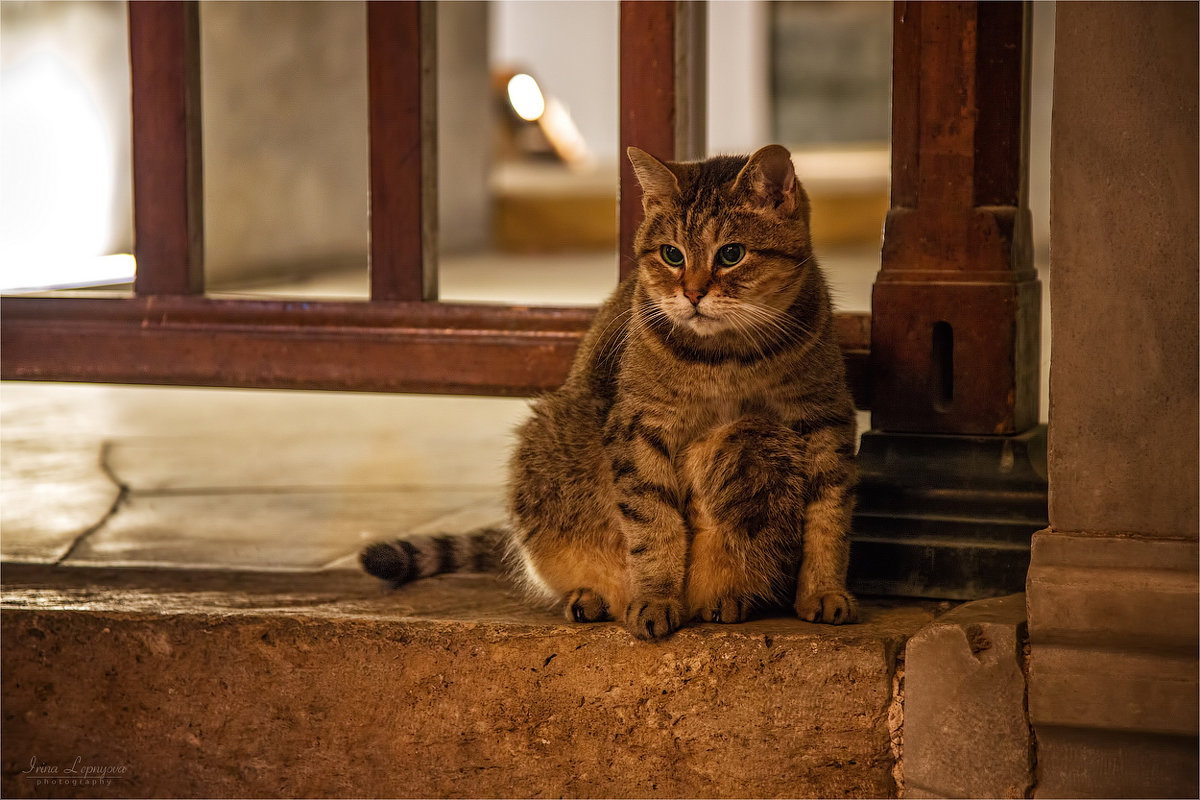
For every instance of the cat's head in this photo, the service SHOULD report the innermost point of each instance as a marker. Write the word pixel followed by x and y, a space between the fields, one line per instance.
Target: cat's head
pixel 725 242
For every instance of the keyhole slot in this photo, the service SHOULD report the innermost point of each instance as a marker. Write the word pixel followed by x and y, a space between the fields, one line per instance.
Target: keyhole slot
pixel 942 363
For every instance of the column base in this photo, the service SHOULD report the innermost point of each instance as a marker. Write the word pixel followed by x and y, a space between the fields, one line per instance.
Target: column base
pixel 947 516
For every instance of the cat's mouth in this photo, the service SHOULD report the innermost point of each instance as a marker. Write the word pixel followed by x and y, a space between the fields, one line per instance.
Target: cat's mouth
pixel 702 323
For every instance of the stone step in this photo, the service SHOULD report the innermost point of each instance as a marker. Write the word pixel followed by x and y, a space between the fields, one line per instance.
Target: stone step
pixel 189 684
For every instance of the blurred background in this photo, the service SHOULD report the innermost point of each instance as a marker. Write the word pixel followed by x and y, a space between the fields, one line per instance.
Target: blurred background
pixel 527 140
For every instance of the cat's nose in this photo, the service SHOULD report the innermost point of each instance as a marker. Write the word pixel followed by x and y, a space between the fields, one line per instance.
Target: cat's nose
pixel 694 295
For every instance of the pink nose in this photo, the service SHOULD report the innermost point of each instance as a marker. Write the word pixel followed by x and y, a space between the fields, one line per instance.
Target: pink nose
pixel 694 295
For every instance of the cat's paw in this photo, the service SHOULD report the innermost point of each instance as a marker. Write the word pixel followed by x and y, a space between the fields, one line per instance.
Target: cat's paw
pixel 835 607
pixel 653 617
pixel 585 605
pixel 725 609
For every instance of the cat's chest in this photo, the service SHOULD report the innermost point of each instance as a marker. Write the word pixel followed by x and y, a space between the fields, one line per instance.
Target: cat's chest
pixel 690 405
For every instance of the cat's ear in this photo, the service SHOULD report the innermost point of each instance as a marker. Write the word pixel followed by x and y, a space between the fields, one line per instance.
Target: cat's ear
pixel 657 180
pixel 768 181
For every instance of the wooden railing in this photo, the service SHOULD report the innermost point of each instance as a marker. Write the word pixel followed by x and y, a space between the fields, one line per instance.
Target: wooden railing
pixel 955 255
pixel 402 340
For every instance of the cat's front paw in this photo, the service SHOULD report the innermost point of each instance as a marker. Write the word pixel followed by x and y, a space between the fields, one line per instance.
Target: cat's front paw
pixel 653 617
pixel 724 609
pixel 835 607
pixel 585 605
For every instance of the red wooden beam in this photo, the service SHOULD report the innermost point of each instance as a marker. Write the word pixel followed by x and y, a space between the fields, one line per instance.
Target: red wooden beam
pixel 168 193
pixel 403 149
pixel 393 347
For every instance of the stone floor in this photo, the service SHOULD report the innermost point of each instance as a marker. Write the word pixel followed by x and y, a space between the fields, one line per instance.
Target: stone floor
pixel 105 475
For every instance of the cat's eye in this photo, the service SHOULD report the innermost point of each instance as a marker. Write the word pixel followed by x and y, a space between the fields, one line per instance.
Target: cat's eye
pixel 672 255
pixel 730 254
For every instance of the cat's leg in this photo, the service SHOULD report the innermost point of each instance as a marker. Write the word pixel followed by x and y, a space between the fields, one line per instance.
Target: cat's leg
pixel 652 528
pixel 744 504
pixel 565 546
pixel 590 581
pixel 831 474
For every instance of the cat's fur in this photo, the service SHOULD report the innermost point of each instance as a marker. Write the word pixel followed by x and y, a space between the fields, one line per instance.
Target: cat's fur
pixel 698 462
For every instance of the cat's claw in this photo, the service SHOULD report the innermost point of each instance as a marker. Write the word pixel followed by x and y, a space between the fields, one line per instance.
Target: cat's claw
pixel 585 605
pixel 654 618
pixel 725 609
pixel 835 607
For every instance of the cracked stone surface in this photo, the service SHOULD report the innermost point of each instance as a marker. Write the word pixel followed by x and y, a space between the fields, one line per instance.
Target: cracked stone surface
pixel 241 479
pixel 52 492
pixel 269 685
pixel 266 530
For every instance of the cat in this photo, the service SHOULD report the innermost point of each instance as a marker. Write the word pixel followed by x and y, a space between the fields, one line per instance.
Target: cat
pixel 698 462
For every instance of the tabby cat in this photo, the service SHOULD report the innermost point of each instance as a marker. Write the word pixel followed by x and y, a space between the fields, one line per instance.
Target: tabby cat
pixel 698 462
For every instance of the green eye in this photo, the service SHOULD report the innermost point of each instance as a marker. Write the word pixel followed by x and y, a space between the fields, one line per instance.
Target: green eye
pixel 672 255
pixel 731 254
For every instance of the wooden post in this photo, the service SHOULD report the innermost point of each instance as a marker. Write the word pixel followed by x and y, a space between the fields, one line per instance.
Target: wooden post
pixel 956 304
pixel 168 189
pixel 663 89
pixel 402 99
pixel 952 475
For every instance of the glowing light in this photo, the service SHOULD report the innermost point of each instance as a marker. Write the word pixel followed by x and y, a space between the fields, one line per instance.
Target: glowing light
pixel 526 97
pixel 58 176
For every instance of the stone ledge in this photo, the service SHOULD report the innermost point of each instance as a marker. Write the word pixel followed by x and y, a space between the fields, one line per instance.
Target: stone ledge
pixel 226 684
pixel 1113 684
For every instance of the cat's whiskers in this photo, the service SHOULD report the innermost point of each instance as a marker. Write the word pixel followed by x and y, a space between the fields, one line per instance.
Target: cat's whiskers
pixel 656 311
pixel 781 321
pixel 745 329
pixel 640 315
pixel 608 348
pixel 766 319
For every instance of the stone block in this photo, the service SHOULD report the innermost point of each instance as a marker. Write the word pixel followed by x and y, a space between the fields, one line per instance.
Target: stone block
pixel 1113 687
pixel 225 684
pixel 1137 593
pixel 1124 411
pixel 1087 687
pixel 965 729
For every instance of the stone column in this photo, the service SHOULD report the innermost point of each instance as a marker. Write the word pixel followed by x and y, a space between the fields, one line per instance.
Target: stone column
pixel 1112 588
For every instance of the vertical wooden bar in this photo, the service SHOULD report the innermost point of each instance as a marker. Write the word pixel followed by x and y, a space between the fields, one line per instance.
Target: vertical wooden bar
pixel 168 189
pixel 401 58
pixel 956 304
pixel 663 89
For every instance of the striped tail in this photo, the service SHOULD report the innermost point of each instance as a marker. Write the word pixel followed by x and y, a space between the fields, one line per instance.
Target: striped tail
pixel 412 557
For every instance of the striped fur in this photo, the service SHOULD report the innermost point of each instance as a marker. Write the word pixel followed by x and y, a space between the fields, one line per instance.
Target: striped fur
pixel 410 558
pixel 698 462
